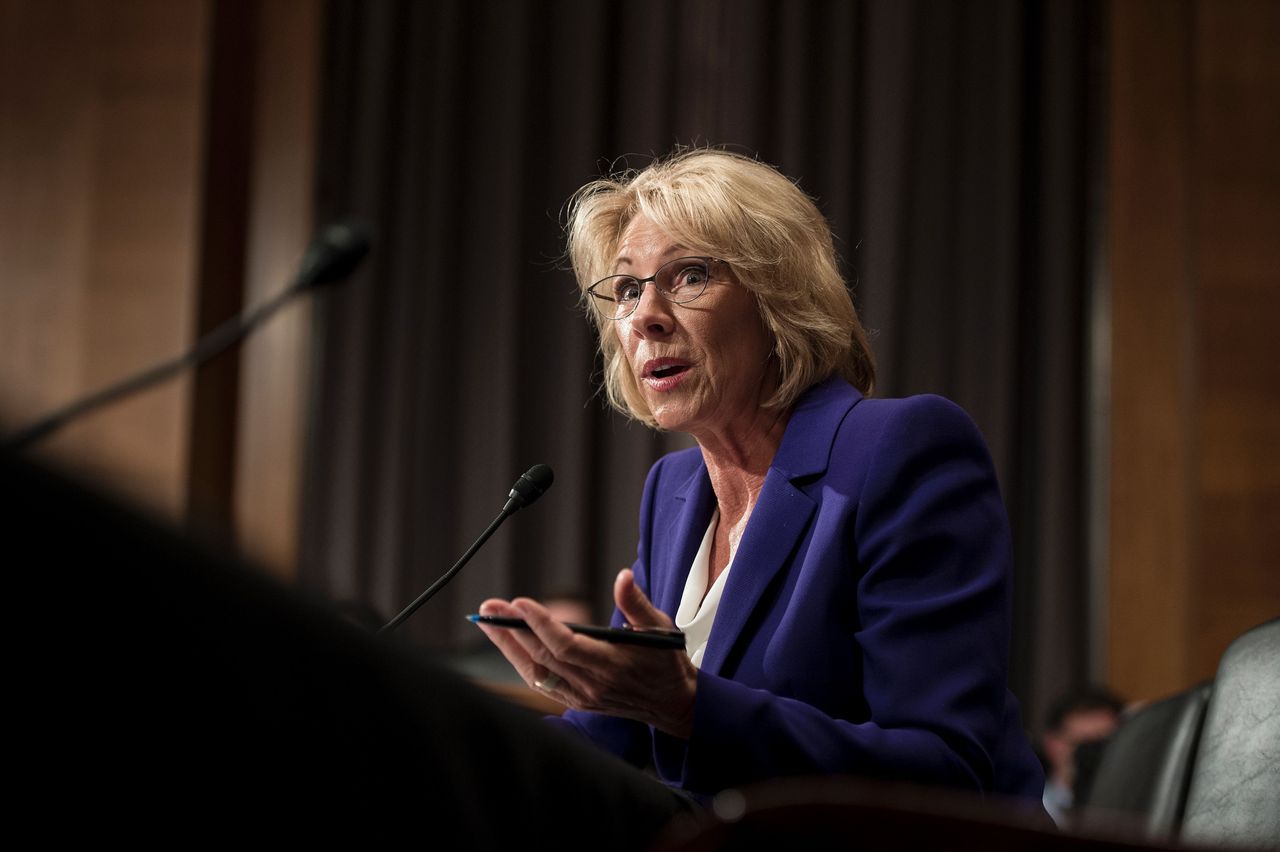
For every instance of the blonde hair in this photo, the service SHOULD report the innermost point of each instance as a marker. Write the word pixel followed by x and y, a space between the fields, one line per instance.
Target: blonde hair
pixel 750 216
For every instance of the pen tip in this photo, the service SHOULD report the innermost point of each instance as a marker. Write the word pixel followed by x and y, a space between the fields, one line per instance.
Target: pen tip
pixel 473 618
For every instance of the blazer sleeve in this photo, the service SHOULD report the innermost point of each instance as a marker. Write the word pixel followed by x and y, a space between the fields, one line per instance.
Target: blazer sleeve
pixel 927 536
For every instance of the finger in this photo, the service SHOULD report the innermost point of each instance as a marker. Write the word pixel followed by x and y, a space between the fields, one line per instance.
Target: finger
pixel 566 683
pixel 563 682
pixel 527 655
pixel 512 650
pixel 634 605
pixel 586 665
pixel 558 638
pixel 507 640
pixel 531 641
pixel 497 606
pixel 516 655
pixel 533 673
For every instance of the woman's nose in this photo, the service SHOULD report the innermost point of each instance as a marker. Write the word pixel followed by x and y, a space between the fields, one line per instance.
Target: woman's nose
pixel 652 316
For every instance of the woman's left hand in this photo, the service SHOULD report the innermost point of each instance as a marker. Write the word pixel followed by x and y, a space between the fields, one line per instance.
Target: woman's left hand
pixel 650 685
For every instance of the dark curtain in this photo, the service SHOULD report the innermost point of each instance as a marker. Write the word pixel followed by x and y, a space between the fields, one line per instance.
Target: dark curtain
pixel 948 143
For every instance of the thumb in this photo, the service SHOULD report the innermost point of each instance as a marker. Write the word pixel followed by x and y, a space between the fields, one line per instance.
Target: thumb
pixel 635 607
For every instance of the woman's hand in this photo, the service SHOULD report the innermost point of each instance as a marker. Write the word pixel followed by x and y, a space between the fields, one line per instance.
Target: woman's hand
pixel 650 685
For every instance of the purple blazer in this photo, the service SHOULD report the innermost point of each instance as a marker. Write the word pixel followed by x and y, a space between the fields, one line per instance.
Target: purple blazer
pixel 865 626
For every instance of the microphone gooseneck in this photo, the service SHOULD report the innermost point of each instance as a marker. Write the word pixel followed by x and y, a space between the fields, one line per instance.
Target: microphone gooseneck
pixel 334 253
pixel 531 485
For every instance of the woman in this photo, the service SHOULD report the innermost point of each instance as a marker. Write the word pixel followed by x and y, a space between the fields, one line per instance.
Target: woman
pixel 839 564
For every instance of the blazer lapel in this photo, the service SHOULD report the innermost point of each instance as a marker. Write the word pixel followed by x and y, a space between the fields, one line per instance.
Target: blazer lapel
pixel 685 535
pixel 781 515
pixel 779 519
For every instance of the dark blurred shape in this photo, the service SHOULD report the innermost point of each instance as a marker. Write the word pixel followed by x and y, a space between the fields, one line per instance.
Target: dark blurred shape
pixel 335 252
pixel 157 685
pixel 360 614
pixel 816 815
pixel 1079 718
pixel 1143 771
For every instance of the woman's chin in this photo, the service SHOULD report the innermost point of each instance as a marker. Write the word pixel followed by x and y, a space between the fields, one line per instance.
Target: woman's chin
pixel 672 418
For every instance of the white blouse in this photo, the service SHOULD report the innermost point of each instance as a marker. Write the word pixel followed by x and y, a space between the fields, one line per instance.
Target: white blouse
pixel 696 613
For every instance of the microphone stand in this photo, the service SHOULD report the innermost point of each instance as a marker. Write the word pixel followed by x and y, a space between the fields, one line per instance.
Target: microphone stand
pixel 448 575
pixel 214 342
pixel 531 485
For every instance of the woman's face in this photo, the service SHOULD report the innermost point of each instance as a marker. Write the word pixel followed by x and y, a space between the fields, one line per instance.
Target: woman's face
pixel 702 366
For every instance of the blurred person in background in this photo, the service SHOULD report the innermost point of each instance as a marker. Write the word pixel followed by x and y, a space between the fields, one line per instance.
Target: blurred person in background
pixel 1079 718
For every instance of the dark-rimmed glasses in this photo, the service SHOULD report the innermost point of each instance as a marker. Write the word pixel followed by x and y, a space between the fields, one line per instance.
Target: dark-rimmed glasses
pixel 680 281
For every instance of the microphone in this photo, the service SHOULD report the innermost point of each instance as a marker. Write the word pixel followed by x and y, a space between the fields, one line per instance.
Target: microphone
pixel 531 485
pixel 335 252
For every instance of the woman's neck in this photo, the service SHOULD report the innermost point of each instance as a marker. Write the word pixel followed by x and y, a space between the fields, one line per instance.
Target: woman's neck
pixel 737 462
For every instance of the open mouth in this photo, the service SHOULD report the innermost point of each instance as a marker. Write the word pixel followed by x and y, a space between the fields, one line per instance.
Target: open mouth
pixel 664 369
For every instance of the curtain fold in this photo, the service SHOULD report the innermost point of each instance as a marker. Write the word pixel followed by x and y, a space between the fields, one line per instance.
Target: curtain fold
pixel 942 140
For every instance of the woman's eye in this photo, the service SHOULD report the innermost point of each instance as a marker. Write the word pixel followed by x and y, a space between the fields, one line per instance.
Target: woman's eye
pixel 691 276
pixel 626 290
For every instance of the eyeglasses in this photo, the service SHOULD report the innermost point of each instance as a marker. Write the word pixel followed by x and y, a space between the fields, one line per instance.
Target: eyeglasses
pixel 679 281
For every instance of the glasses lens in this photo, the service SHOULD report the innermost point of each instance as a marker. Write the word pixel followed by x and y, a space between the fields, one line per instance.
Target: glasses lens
pixel 624 290
pixel 683 279
pixel 616 296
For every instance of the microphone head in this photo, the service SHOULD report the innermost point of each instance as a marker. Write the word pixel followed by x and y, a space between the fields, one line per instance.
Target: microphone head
pixel 335 252
pixel 531 485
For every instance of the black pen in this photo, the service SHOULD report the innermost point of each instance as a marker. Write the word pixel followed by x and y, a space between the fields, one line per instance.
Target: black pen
pixel 646 636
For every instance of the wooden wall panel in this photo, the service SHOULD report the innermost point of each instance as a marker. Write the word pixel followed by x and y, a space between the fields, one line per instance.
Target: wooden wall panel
pixel 103 153
pixel 48 122
pixel 1194 267
pixel 274 368
pixel 105 131
pixel 1151 390
pixel 1236 137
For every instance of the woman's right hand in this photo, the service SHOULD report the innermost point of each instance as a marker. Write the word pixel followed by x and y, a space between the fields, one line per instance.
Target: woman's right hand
pixel 653 686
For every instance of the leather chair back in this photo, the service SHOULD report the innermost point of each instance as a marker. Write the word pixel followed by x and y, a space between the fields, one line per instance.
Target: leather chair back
pixel 1235 784
pixel 1144 774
